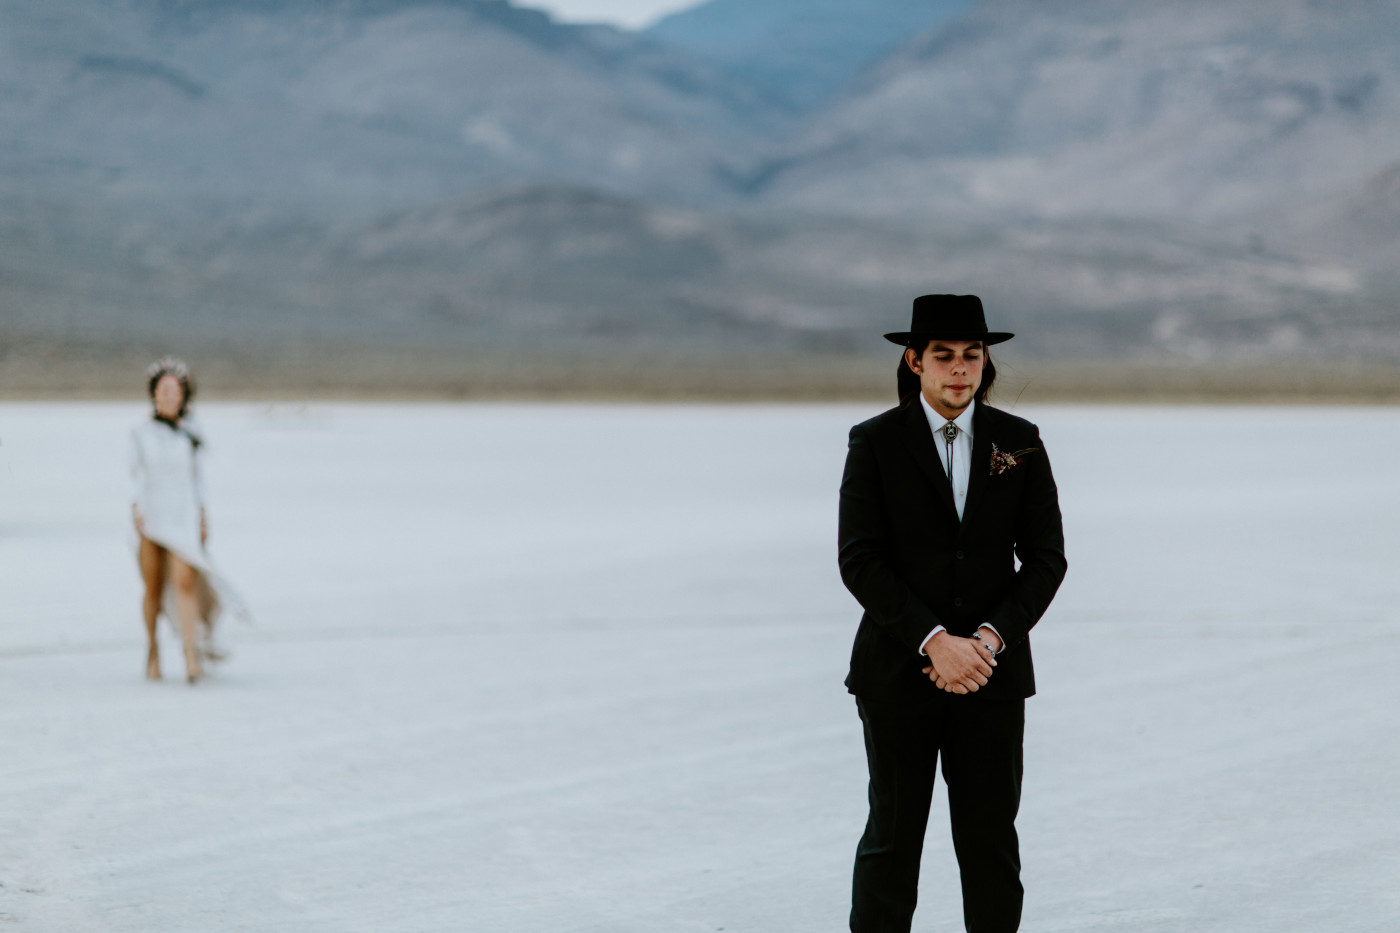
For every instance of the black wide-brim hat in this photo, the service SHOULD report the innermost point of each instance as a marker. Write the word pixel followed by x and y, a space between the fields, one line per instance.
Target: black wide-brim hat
pixel 947 317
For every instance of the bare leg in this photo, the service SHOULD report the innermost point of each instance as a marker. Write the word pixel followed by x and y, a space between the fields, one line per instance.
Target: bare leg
pixel 187 609
pixel 153 573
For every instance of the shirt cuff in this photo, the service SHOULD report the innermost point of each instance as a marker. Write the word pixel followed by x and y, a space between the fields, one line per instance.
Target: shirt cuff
pixel 993 630
pixel 936 629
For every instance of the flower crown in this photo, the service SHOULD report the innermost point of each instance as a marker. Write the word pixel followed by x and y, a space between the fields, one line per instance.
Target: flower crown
pixel 168 364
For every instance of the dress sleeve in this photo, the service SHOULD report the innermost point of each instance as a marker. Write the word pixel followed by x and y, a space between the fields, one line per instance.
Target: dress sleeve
pixel 136 466
pixel 197 474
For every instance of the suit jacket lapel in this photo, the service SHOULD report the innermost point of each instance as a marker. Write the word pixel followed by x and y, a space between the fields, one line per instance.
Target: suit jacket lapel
pixel 981 459
pixel 919 438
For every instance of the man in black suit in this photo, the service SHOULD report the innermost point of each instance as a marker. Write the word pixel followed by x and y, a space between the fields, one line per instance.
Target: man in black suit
pixel 940 497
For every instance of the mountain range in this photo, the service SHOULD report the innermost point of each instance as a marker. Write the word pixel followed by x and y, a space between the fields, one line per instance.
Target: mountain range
pixel 1186 180
pixel 1204 112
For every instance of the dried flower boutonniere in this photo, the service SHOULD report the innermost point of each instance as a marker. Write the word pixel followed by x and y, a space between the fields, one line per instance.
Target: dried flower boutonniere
pixel 1003 462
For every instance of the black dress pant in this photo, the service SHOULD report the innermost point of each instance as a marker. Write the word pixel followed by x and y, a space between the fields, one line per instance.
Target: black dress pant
pixel 980 742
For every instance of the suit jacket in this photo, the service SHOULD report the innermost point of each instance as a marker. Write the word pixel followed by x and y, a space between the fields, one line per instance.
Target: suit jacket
pixel 913 565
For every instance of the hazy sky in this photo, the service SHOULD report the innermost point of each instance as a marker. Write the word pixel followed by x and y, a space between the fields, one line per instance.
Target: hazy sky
pixel 629 13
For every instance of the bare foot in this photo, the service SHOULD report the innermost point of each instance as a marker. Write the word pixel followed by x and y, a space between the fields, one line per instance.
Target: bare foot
pixel 210 651
pixel 193 672
pixel 153 665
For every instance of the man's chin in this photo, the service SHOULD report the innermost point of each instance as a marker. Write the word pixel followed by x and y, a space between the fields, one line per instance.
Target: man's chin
pixel 957 402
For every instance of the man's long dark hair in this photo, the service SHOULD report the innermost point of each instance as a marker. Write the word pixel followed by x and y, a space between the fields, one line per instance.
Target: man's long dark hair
pixel 906 381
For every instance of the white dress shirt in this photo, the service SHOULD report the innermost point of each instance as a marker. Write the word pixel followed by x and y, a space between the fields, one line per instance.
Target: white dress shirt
pixel 960 449
pixel 961 452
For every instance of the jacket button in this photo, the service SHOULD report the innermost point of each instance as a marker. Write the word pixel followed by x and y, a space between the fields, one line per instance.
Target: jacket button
pixel 960 555
pixel 958 602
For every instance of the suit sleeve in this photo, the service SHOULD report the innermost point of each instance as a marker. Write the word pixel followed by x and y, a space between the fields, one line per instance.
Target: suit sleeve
pixel 1040 546
pixel 863 538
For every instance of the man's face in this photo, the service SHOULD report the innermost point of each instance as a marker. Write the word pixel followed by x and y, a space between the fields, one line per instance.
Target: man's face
pixel 949 373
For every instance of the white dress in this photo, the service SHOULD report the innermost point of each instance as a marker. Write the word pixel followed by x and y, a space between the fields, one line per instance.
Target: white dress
pixel 169 494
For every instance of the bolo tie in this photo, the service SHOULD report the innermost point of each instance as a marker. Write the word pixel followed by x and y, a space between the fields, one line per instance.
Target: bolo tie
pixel 950 434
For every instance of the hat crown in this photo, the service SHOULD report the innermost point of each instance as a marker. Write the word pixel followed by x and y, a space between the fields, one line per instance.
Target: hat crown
pixel 947 317
pixel 951 317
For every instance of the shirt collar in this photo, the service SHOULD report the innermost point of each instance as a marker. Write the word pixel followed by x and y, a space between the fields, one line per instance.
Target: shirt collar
pixel 936 421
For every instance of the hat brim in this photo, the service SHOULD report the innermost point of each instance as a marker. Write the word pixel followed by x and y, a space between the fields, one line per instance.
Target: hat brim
pixel 907 338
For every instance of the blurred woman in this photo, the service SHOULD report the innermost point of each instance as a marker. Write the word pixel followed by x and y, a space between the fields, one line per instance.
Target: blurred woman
pixel 168 511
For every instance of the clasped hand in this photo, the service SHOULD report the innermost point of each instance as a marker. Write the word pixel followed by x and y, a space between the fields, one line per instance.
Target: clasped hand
pixel 958 665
